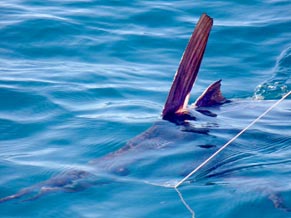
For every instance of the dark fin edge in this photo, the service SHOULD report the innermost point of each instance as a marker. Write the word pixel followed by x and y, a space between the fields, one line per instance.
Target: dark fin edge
pixel 211 96
pixel 188 69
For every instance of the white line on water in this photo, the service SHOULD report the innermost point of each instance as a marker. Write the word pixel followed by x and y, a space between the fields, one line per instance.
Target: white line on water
pixel 230 141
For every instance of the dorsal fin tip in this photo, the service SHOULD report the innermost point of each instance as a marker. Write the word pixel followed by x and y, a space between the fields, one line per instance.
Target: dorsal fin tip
pixel 211 96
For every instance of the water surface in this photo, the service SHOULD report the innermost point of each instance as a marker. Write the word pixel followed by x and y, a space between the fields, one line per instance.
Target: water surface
pixel 81 78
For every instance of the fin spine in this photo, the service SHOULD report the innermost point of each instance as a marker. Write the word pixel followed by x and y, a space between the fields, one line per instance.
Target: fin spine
pixel 188 69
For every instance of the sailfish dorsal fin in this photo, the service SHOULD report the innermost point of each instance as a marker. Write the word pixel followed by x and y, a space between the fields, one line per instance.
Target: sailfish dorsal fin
pixel 188 70
pixel 211 96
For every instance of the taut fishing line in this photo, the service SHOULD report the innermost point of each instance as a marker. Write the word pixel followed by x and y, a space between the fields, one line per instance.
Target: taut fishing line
pixel 221 149
pixel 231 140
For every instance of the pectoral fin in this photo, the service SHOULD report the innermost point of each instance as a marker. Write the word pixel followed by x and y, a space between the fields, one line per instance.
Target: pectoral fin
pixel 211 96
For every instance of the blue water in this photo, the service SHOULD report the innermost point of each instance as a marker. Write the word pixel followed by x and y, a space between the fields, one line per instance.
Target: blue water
pixel 81 78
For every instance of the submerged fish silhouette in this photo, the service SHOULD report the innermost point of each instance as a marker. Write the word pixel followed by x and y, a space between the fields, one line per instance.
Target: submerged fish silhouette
pixel 186 123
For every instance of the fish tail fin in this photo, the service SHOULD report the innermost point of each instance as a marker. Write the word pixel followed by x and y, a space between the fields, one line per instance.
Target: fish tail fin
pixel 71 181
pixel 188 69
pixel 18 195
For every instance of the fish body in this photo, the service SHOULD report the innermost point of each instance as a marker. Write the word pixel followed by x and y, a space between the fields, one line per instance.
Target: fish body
pixel 185 136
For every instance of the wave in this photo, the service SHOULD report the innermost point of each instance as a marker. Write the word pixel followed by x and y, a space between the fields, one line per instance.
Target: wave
pixel 280 83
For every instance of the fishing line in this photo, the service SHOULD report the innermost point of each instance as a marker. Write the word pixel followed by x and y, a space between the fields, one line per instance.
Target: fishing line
pixel 185 203
pixel 231 140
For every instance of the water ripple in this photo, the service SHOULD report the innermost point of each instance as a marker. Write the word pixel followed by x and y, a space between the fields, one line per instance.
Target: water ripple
pixel 80 78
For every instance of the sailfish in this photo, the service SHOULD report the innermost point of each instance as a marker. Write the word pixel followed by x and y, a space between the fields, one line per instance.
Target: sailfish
pixel 177 117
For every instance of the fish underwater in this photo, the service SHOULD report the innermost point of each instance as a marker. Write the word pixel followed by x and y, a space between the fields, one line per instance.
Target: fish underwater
pixel 208 123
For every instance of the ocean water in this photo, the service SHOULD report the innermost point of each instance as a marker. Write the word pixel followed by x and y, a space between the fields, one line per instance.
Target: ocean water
pixel 81 78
